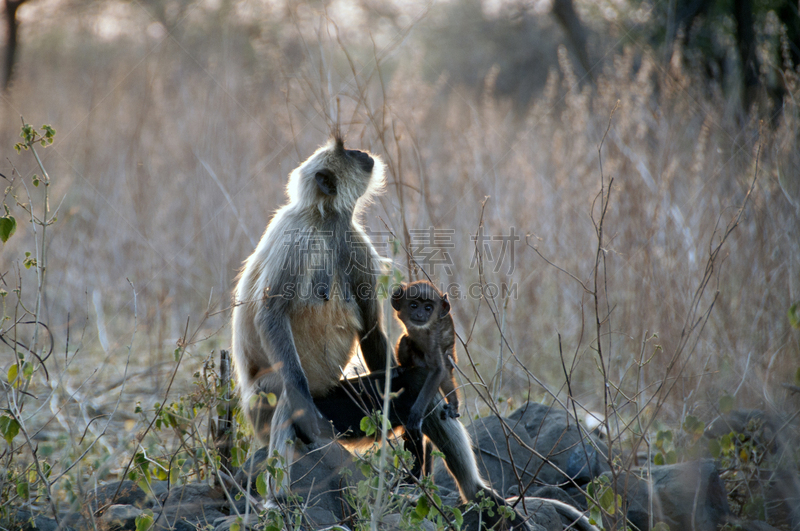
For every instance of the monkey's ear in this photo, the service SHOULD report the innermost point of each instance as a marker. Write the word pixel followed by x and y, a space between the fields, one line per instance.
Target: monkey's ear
pixel 445 306
pixel 397 297
pixel 326 182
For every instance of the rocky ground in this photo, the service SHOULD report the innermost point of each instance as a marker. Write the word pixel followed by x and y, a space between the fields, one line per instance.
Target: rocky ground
pixel 537 451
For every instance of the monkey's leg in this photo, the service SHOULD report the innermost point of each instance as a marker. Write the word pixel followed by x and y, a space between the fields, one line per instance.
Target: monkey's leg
pixel 427 464
pixel 281 440
pixel 278 341
pixel 448 387
pixel 420 449
pixel 355 398
pixel 358 397
pixel 256 404
pixel 346 404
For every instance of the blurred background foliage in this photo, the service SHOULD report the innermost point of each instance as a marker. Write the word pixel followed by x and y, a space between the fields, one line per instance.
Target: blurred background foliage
pixel 179 120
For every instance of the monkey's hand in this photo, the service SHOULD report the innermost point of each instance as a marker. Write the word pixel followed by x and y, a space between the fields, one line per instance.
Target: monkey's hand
pixel 449 410
pixel 414 425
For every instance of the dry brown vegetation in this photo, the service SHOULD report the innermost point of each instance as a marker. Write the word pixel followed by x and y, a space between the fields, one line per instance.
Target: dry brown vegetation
pixel 173 148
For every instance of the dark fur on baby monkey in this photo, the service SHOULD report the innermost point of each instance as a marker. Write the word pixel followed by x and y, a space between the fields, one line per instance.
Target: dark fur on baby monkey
pixel 429 342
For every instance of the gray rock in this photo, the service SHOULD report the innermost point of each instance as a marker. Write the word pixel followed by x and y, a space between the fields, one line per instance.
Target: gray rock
pixel 504 462
pixel 472 522
pixel 556 436
pixel 782 499
pixel 317 517
pixel 225 523
pixel 116 493
pixel 190 506
pixel 120 518
pixel 160 489
pixel 685 496
pixel 393 522
pixel 503 450
pixel 748 421
pixel 318 478
pixel 541 513
pixel 72 520
pixel 755 525
pixel 27 521
pixel 775 439
pixel 585 463
pixel 554 493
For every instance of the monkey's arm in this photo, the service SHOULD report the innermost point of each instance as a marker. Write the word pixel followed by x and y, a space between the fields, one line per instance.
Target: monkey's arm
pixel 404 354
pixel 374 344
pixel 278 331
pixel 425 397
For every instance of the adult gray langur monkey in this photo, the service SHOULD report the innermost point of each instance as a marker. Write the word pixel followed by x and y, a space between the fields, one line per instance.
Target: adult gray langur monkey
pixel 306 300
pixel 306 297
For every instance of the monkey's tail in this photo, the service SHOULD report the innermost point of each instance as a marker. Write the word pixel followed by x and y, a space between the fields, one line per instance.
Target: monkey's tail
pixel 453 440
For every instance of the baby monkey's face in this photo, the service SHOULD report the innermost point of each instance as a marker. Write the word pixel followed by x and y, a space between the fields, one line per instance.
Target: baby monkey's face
pixel 419 303
pixel 419 311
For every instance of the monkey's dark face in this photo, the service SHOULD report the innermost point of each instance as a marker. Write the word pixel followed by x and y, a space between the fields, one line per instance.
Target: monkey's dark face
pixel 337 178
pixel 362 159
pixel 418 303
pixel 419 311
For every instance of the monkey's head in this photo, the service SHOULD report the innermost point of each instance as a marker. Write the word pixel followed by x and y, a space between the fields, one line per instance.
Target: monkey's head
pixel 419 303
pixel 336 179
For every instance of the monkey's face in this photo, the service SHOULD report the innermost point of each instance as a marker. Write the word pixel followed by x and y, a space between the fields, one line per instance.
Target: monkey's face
pixel 419 311
pixel 337 178
pixel 362 159
pixel 418 303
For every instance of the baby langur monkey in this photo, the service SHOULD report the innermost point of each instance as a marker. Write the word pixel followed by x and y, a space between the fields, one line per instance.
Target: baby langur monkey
pixel 429 342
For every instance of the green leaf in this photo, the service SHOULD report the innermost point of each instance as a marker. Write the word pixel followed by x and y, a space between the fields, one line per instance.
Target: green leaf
pixel 261 484
pixel 658 459
pixel 27 370
pixel 672 457
pixel 797 377
pixel 8 226
pixel 726 443
pixel 663 438
pixel 160 473
pixel 715 448
pixel 693 426
pixel 726 403
pixel 22 489
pixel 458 517
pixel 144 521
pixel 794 315
pixel 423 508
pixel 29 261
pixel 272 399
pixel 368 426
pixel 12 374
pixel 607 501
pixel 9 428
